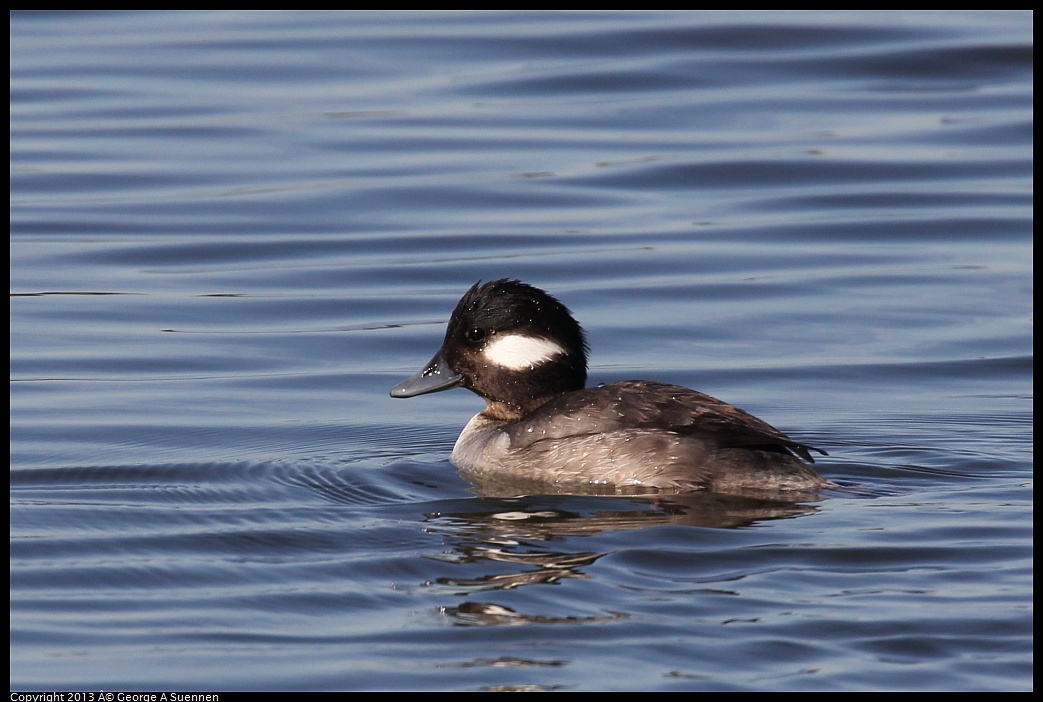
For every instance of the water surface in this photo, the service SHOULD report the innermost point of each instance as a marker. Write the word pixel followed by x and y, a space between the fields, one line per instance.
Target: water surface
pixel 232 233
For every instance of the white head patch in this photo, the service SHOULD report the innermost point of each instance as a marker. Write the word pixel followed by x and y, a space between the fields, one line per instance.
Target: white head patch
pixel 520 352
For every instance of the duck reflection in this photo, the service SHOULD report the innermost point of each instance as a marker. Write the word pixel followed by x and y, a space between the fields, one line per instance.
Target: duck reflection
pixel 531 535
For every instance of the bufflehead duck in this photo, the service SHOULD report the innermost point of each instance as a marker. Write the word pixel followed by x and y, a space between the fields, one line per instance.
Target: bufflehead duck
pixel 523 352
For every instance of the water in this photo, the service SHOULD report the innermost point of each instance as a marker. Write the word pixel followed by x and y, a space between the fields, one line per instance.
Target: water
pixel 233 233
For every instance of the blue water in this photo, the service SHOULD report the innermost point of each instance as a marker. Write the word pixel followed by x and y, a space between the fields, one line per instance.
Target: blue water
pixel 232 233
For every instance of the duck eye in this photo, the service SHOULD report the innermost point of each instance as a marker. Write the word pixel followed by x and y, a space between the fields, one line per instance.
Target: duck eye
pixel 475 334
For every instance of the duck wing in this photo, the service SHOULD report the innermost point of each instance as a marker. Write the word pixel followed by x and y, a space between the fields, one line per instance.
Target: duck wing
pixel 649 405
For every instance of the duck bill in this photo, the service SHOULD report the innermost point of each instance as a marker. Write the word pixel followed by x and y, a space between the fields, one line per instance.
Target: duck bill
pixel 435 376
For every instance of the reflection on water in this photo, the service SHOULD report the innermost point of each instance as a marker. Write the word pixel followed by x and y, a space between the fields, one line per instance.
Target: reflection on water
pixel 480 613
pixel 695 509
pixel 526 536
